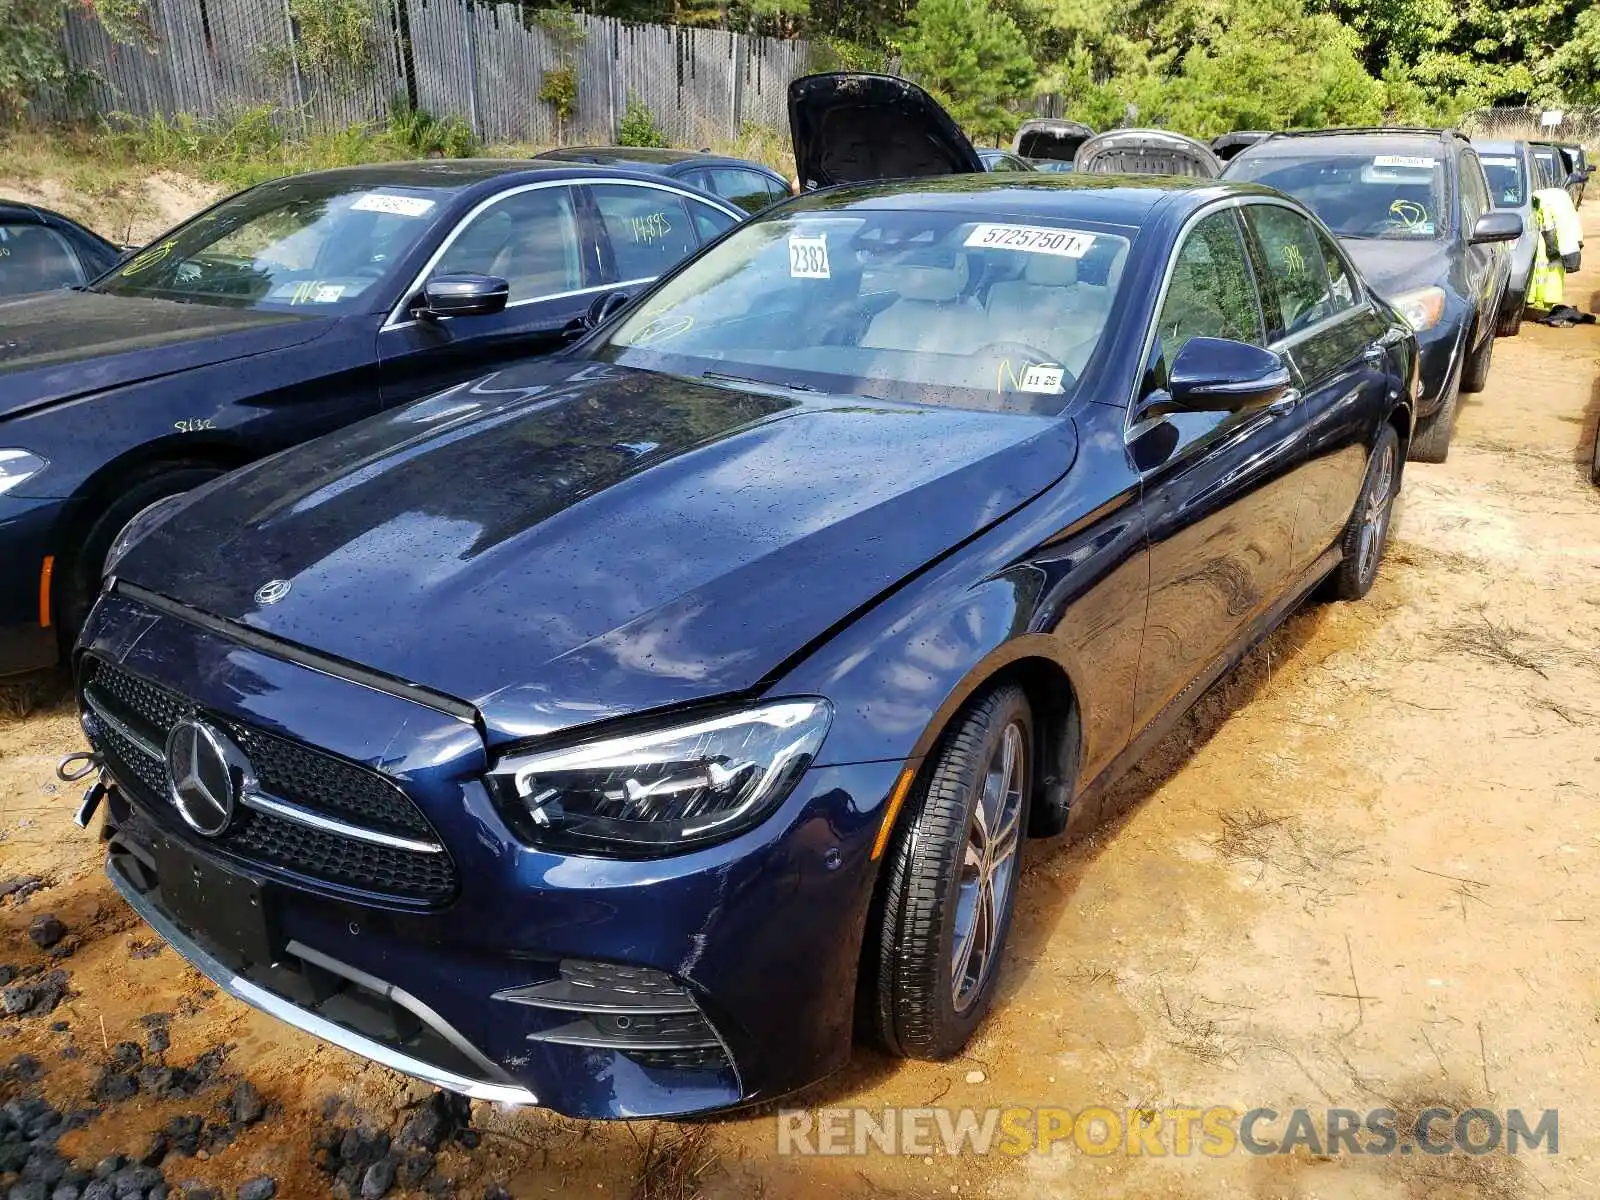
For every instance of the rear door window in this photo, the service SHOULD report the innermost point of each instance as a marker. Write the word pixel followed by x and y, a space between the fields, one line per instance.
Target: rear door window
pixel 748 189
pixel 34 258
pixel 648 227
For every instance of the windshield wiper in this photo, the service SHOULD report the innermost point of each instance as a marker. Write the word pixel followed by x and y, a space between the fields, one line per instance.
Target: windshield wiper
pixel 788 387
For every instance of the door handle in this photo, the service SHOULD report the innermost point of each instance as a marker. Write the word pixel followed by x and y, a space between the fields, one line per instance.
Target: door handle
pixel 1285 403
pixel 1374 355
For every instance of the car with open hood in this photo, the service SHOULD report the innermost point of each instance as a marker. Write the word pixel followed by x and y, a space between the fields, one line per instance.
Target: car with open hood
pixel 41 250
pixel 1050 143
pixel 619 731
pixel 1412 208
pixel 1228 146
pixel 283 312
pixel 1147 152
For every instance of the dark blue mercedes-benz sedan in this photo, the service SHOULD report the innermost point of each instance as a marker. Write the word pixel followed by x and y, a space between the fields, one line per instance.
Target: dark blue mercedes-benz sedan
pixel 620 731
pixel 284 312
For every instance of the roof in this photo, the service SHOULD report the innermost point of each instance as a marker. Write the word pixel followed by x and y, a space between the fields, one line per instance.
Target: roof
pixel 643 156
pixel 1104 199
pixel 1336 142
pixel 431 172
pixel 1497 145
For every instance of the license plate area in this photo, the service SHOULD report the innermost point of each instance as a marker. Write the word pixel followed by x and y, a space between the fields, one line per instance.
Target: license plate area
pixel 226 909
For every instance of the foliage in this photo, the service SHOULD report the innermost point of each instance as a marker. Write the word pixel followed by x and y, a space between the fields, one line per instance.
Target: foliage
pixel 638 126
pixel 974 58
pixel 126 21
pixel 420 134
pixel 1575 67
pixel 559 89
pixel 560 25
pixel 249 145
pixel 334 38
pixel 30 53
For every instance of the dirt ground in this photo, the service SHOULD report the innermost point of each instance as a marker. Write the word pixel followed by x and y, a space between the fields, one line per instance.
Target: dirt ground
pixel 127 212
pixel 1363 874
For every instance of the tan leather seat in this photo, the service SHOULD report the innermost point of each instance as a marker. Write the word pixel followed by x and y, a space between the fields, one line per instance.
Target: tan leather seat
pixel 1048 309
pixel 932 315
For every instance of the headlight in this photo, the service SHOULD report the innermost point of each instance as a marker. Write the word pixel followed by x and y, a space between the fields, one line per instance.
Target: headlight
pixel 1422 308
pixel 654 793
pixel 17 467
pixel 145 520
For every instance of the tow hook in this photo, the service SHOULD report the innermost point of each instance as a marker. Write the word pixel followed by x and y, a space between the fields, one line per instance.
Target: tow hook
pixel 78 766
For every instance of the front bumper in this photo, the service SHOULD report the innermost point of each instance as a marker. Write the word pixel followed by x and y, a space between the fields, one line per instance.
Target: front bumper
pixel 1438 352
pixel 27 531
pixel 757 939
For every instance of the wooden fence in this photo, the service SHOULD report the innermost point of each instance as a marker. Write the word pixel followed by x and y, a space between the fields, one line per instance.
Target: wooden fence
pixel 482 62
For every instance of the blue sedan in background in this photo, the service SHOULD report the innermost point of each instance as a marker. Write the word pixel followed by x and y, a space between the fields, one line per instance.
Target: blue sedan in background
pixel 619 731
pixel 282 313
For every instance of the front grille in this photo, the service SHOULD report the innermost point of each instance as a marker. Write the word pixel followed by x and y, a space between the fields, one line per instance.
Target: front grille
pixel 310 779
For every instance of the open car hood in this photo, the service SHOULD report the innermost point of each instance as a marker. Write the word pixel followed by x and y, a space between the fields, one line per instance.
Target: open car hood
pixel 1047 137
pixel 1147 152
pixel 1226 146
pixel 850 127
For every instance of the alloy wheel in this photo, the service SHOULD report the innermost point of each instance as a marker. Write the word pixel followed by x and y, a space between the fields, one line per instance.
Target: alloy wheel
pixel 987 868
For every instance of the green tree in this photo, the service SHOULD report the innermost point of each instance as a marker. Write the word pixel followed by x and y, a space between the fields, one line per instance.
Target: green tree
pixel 974 58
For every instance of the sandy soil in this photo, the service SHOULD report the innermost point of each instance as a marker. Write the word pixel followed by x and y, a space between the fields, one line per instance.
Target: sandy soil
pixel 1361 875
pixel 126 213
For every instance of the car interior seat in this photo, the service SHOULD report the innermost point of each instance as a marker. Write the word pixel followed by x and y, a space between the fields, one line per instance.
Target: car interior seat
pixel 933 313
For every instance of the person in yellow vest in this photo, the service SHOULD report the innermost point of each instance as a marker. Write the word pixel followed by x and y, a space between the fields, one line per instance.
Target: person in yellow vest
pixel 1547 282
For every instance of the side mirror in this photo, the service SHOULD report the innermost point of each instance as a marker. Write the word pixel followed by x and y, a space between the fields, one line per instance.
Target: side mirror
pixel 461 296
pixel 605 307
pixel 1219 375
pixel 1497 226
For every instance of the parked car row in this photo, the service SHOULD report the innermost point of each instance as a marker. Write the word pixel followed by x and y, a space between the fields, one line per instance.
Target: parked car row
pixel 658 684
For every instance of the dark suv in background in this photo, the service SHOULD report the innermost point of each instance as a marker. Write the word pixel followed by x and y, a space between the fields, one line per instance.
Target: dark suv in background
pixel 1412 207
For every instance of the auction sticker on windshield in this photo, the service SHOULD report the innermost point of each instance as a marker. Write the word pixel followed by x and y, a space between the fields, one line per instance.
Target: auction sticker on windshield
pixel 808 257
pixel 1404 160
pixel 1035 239
pixel 399 206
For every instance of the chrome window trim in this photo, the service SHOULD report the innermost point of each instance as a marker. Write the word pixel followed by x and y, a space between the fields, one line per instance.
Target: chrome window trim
pixel 397 318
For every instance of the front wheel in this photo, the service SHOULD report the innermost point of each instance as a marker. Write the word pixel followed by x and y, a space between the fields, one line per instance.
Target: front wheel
pixel 78 588
pixel 952 880
pixel 1431 442
pixel 1475 375
pixel 1367 533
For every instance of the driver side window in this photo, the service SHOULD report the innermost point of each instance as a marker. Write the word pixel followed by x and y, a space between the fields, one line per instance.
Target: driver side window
pixel 1294 263
pixel 529 239
pixel 1211 293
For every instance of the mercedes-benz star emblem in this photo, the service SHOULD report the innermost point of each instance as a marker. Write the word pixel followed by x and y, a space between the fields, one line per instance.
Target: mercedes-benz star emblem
pixel 272 591
pixel 205 773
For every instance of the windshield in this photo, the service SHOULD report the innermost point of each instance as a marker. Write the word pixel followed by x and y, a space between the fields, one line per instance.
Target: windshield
pixel 1391 196
pixel 288 245
pixel 1508 183
pixel 931 307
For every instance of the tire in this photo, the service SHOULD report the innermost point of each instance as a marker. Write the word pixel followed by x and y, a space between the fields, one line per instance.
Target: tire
pixel 80 584
pixel 1510 323
pixel 1475 374
pixel 1367 534
pixel 933 901
pixel 1431 442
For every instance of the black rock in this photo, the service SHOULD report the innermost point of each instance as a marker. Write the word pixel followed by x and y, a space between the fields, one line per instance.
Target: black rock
pixel 71 1052
pixel 29 1189
pixel 115 1086
pixel 375 1184
pixel 36 997
pixel 440 1188
pixel 59 1026
pixel 262 1187
pixel 158 1040
pixel 67 1191
pixel 20 887
pixel 131 1183
pixel 24 1068
pixel 494 1191
pixel 415 1167
pixel 46 930
pixel 109 1166
pixel 426 1129
pixel 246 1105
pixel 198 1191
pixel 160 1082
pixel 98 1189
pixel 468 1138
pixel 127 1056
pixel 155 1151
pixel 183 1133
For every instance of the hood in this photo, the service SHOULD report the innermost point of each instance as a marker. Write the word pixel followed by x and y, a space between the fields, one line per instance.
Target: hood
pixel 572 540
pixel 856 128
pixel 1394 266
pixel 58 345
pixel 1047 138
pixel 1227 146
pixel 1147 152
